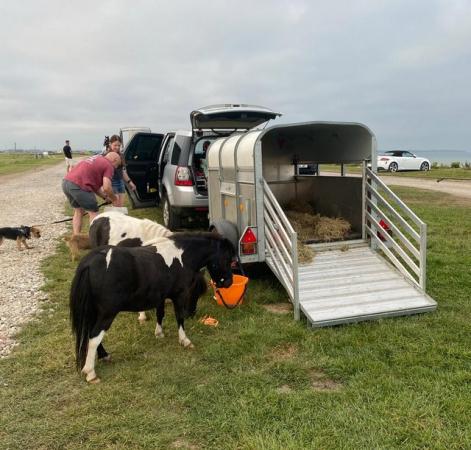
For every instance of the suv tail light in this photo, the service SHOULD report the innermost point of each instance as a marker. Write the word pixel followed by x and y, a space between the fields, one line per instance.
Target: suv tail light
pixel 248 242
pixel 183 176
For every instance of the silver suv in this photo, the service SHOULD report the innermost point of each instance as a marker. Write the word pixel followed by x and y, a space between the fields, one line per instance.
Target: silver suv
pixel 181 168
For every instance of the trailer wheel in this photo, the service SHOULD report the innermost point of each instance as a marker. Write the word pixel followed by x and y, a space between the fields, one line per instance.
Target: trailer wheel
pixel 171 219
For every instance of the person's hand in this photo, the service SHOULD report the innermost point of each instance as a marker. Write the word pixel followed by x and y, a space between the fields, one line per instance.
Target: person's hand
pixel 132 185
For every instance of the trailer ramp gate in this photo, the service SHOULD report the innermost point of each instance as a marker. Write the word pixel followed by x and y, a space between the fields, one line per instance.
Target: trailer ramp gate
pixel 358 284
pixel 375 277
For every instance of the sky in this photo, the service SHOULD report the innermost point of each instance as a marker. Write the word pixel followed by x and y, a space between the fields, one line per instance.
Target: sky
pixel 81 70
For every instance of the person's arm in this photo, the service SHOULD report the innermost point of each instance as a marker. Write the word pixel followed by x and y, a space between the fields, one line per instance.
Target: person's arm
pixel 128 180
pixel 107 190
pixel 126 177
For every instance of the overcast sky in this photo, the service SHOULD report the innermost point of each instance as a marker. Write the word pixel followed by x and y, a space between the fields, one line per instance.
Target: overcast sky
pixel 83 69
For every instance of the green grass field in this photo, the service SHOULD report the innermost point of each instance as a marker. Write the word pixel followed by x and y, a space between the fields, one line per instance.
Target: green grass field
pixel 19 162
pixel 434 173
pixel 259 380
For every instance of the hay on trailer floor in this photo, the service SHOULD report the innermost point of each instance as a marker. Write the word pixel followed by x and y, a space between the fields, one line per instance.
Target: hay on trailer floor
pixel 305 253
pixel 314 227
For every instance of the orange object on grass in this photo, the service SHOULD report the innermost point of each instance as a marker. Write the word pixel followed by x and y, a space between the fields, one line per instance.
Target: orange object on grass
pixel 233 296
pixel 209 321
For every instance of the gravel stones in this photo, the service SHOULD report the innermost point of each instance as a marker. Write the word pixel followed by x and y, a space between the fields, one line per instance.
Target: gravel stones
pixel 27 199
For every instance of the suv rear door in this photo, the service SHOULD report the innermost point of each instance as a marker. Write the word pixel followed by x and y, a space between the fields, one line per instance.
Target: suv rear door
pixel 210 122
pixel 230 117
pixel 141 156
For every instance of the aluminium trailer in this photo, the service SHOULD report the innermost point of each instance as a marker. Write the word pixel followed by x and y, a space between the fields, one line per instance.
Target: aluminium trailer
pixel 253 176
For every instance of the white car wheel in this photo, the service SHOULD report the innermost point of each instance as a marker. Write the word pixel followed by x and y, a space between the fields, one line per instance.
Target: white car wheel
pixel 424 166
pixel 393 167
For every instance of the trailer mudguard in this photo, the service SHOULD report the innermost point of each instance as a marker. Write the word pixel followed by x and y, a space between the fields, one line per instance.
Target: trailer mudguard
pixel 226 229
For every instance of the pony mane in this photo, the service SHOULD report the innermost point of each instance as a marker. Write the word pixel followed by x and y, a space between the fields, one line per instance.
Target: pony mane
pixel 200 235
pixel 197 234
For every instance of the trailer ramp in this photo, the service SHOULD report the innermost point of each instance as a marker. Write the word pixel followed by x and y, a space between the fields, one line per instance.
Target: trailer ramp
pixel 381 275
pixel 343 286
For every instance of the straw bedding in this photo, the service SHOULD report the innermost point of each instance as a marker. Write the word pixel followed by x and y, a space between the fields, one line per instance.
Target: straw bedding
pixel 311 226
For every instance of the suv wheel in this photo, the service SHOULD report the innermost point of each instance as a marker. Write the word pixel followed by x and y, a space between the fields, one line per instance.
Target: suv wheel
pixel 171 219
pixel 393 167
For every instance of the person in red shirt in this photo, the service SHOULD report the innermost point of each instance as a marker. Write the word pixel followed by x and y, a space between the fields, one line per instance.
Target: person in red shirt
pixel 88 178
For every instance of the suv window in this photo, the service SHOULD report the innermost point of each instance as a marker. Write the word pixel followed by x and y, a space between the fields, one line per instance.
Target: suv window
pixel 144 148
pixel 167 148
pixel 176 154
pixel 201 147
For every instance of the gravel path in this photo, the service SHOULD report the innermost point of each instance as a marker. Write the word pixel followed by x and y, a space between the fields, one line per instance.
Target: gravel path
pixel 27 199
pixel 460 188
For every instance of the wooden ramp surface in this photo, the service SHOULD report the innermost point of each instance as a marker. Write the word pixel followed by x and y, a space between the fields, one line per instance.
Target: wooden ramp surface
pixel 354 285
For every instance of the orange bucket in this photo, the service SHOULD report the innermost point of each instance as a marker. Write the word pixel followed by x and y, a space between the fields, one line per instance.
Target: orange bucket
pixel 233 296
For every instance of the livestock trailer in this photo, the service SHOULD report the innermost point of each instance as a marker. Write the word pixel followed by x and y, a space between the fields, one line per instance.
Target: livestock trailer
pixel 379 270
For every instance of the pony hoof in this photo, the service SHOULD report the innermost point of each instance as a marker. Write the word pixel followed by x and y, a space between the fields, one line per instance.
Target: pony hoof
pixel 159 335
pixel 106 359
pixel 187 343
pixel 95 380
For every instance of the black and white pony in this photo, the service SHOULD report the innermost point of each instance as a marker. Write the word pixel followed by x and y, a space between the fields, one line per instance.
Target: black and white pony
pixel 116 228
pixel 113 279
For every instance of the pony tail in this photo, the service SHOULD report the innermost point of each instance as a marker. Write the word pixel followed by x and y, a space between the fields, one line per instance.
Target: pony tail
pixel 82 312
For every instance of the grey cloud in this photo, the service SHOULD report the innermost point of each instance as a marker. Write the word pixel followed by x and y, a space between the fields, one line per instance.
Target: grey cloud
pixel 81 70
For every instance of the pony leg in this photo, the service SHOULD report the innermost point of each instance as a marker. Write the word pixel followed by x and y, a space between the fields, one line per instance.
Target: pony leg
pixel 103 354
pixel 180 314
pixel 89 367
pixel 142 317
pixel 182 337
pixel 160 318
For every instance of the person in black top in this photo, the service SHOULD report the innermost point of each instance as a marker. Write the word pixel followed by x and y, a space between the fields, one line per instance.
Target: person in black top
pixel 113 144
pixel 68 156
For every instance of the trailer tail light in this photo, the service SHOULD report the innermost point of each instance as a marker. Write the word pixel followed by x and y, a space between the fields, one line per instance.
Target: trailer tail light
pixel 386 228
pixel 183 176
pixel 248 242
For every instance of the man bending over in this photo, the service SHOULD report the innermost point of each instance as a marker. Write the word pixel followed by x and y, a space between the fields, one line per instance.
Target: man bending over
pixel 89 177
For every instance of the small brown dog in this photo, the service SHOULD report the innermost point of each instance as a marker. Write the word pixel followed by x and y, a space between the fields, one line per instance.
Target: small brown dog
pixel 77 242
pixel 19 235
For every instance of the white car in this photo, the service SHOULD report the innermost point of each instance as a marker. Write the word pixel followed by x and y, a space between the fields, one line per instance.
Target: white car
pixel 401 160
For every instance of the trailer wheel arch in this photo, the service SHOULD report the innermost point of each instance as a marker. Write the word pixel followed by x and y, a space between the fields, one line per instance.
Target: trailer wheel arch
pixel 226 229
